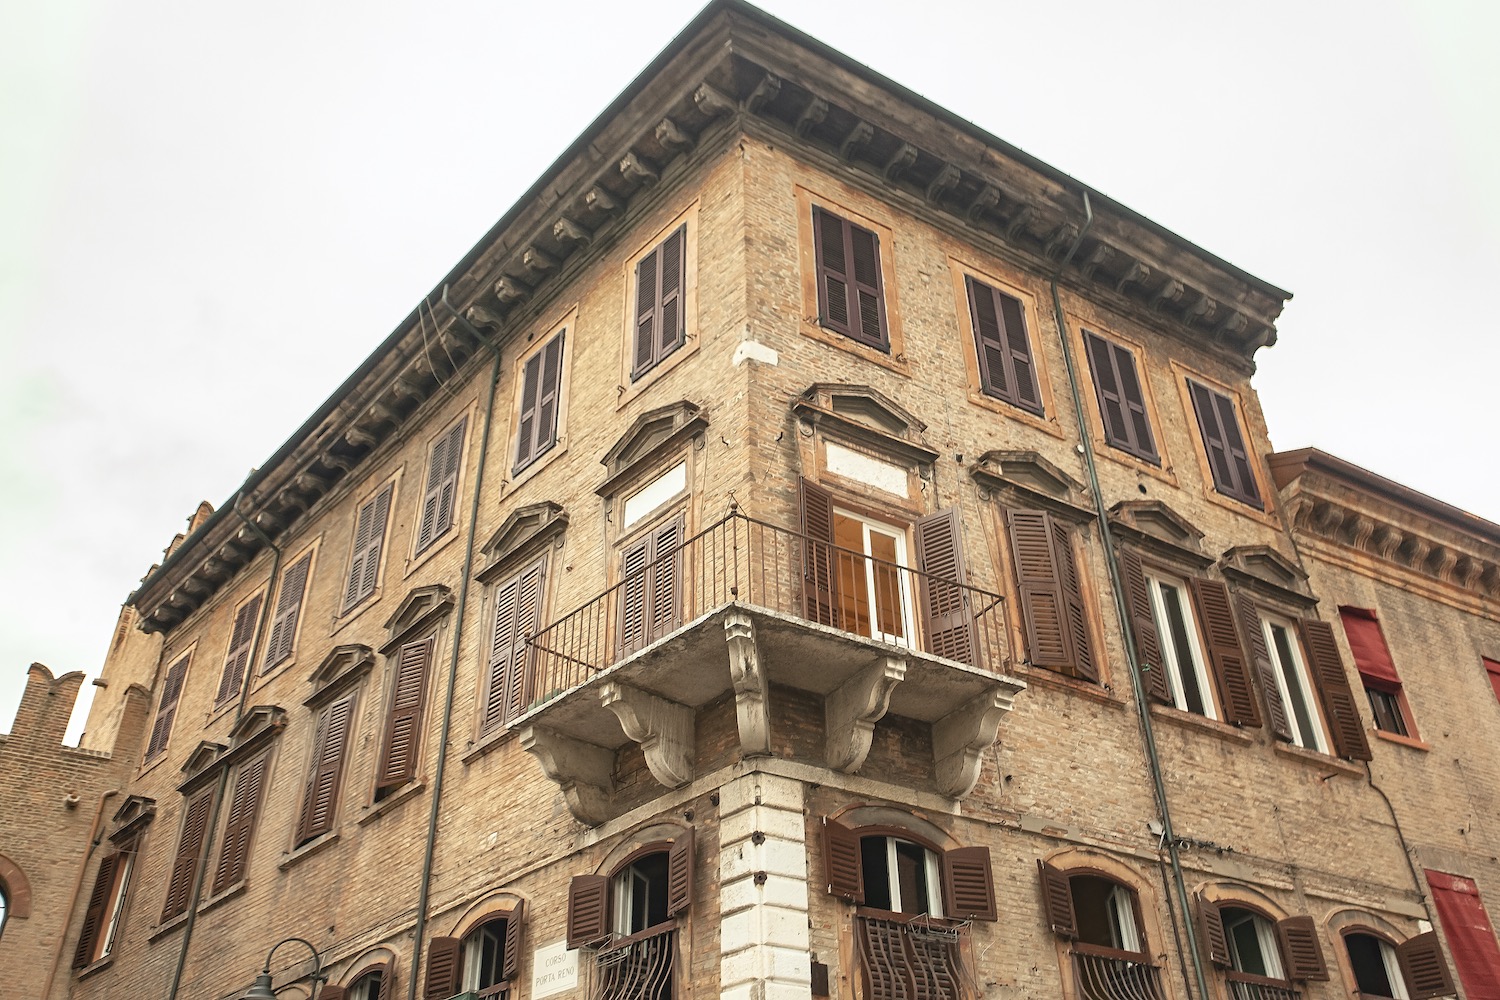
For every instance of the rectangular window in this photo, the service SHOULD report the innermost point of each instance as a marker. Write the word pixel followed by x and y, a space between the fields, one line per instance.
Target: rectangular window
pixel 1006 370
pixel 541 394
pixel 440 499
pixel 369 538
pixel 403 723
pixel 1293 684
pixel 1181 650
pixel 166 709
pixel 330 748
pixel 239 828
pixel 516 615
pixel 240 640
pixel 101 920
pixel 189 849
pixel 1377 671
pixel 1051 595
pixel 288 611
pixel 650 602
pixel 659 326
pixel 874 582
pixel 850 296
pixel 1122 398
pixel 1227 456
pixel 1471 937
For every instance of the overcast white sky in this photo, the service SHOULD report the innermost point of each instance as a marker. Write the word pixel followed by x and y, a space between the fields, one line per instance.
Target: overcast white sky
pixel 211 213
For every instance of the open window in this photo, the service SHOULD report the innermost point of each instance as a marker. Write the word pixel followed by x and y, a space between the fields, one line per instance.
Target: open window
pixel 1260 956
pixel 1412 970
pixel 1100 918
pixel 484 964
pixel 377 982
pixel 106 906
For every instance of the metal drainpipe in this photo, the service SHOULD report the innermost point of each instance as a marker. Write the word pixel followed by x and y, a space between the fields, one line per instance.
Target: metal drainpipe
pixel 458 618
pixel 1143 708
pixel 201 874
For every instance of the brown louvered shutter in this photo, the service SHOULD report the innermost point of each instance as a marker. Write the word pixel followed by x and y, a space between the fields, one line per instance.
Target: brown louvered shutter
pixel 659 322
pixel 631 620
pixel 850 299
pixel 96 913
pixel 647 285
pixel 588 910
pixel 820 569
pixel 1143 624
pixel 1057 900
pixel 1225 652
pixel 244 805
pixel 531 387
pixel 1211 927
pixel 669 300
pixel 387 981
pixel 444 966
pixel 330 749
pixel 1224 445
pixel 369 536
pixel 528 620
pixel 664 595
pixel 332 992
pixel 548 395
pixel 833 270
pixel 1260 656
pixel 1339 706
pixel 515 921
pixel 680 862
pixel 403 727
pixel 288 608
pixel 969 884
pixel 1072 593
pixel 947 621
pixel 1424 968
pixel 1122 400
pixel 502 653
pixel 1003 347
pixel 841 861
pixel 240 640
pixel 440 497
pixel 864 253
pixel 189 850
pixel 1299 939
pixel 166 709
pixel 1048 637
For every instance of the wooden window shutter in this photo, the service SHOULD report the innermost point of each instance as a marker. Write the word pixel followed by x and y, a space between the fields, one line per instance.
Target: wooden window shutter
pixel 869 300
pixel 531 388
pixel 850 297
pixel 1225 446
pixel 514 923
pixel 1211 927
pixel 588 910
pixel 1299 940
pixel 288 608
pixel 886 963
pixel 969 884
pixel 189 851
pixel 1006 370
pixel 669 300
pixel 330 748
pixel 665 578
pixel 1339 706
pixel 541 381
pixel 841 862
pixel 403 727
pixel 947 620
pixel 166 709
pixel 332 992
pixel 517 614
pixel 244 805
pixel 1043 606
pixel 387 981
pixel 1143 624
pixel 444 967
pixel 241 638
pixel 820 560
pixel 369 536
pixel 1225 653
pixel 1424 968
pixel 647 285
pixel 659 320
pixel 1057 900
pixel 96 913
pixel 1260 656
pixel 680 863
pixel 632 623
pixel 440 497
pixel 1122 399
pixel 1072 593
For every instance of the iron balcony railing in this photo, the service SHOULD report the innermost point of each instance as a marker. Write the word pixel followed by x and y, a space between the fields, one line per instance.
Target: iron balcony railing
pixel 912 957
pixel 1244 986
pixel 638 967
pixel 741 559
pixel 1109 974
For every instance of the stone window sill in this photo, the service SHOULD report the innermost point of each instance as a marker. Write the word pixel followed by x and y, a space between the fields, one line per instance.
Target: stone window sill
pixel 1202 723
pixel 96 966
pixel 233 892
pixel 307 850
pixel 391 801
pixel 1404 741
pixel 1318 759
pixel 162 930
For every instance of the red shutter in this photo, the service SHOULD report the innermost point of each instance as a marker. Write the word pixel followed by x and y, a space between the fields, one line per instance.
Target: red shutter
pixel 166 709
pixel 387 980
pixel 288 608
pixel 515 920
pixel 444 966
pixel 1225 652
pixel 1043 606
pixel 670 329
pixel 946 618
pixel 1372 657
pixel 588 910
pixel 841 861
pixel 1211 927
pixel 330 748
pixel 244 805
pixel 820 561
pixel 1072 592
pixel 97 912
pixel 1470 935
pixel 241 638
pixel 680 862
pixel 1299 940
pixel 189 850
pixel 1327 668
pixel 403 730
pixel 1143 624
pixel 1057 900
pixel 969 884
pixel 1260 655
pixel 1424 968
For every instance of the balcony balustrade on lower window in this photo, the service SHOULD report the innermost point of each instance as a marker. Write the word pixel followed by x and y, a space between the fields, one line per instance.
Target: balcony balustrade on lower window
pixel 1110 974
pixel 637 968
pixel 1244 986
pixel 912 958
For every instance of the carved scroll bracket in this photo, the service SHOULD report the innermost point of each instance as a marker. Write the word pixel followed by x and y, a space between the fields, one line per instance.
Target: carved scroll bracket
pixel 752 704
pixel 582 770
pixel 960 739
pixel 664 729
pixel 851 711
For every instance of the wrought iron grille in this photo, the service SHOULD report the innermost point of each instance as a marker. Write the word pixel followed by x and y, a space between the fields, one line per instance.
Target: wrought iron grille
pixel 1107 974
pixel 638 968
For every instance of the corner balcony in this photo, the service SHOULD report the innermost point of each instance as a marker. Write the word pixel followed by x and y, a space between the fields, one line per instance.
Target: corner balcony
pixel 746 608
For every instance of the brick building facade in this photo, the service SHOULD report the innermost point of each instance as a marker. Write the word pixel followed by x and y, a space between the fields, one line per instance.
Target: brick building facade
pixel 807 548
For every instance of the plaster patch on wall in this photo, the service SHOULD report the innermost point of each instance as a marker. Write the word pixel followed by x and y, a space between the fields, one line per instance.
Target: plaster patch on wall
pixel 871 471
pixel 754 350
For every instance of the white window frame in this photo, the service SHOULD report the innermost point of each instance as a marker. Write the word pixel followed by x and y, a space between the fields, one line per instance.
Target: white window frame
pixel 116 905
pixel 1265 939
pixel 474 947
pixel 623 888
pixel 1122 909
pixel 932 869
pixel 869 526
pixel 1315 740
pixel 1154 583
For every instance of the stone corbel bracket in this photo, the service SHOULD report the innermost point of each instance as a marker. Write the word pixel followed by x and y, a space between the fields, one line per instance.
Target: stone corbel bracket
pixel 583 771
pixel 960 739
pixel 852 709
pixel 752 703
pixel 663 728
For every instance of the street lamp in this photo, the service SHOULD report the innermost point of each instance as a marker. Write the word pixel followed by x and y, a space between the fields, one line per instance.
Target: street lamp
pixel 261 989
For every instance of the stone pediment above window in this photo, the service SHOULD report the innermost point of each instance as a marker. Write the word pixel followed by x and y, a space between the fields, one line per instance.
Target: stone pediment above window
pixel 259 724
pixel 200 764
pixel 655 433
pixel 1153 526
pixel 134 814
pixel 525 533
pixel 866 416
pixel 1262 568
pixel 418 611
pixel 1027 480
pixel 342 667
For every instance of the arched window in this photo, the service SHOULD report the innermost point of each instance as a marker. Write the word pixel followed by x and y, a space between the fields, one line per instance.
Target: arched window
pixel 1415 969
pixel 1253 948
pixel 1260 955
pixel 1376 971
pixel 485 958
pixel 374 983
pixel 485 962
pixel 1101 918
